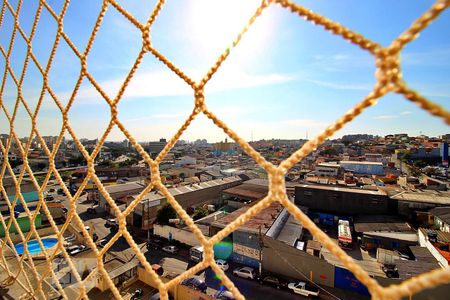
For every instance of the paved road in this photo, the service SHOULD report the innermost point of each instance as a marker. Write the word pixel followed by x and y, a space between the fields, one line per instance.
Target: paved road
pixel 250 289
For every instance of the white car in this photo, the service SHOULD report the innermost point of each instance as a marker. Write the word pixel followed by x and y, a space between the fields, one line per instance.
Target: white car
pixel 245 272
pixel 304 289
pixel 170 249
pixel 222 264
pixel 77 250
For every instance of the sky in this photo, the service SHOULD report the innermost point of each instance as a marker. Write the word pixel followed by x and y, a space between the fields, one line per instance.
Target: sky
pixel 286 79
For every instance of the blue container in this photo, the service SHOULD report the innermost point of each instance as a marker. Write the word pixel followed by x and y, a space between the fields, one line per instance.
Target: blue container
pixel 344 279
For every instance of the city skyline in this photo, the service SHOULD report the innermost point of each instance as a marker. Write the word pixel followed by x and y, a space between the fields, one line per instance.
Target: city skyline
pixel 284 79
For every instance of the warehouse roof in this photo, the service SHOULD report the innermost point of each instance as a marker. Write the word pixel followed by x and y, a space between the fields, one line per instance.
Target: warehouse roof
pixel 263 219
pixel 184 189
pixel 366 223
pixel 125 187
pixel 355 162
pixel 442 213
pixel 420 196
pixel 443 237
pixel 411 268
pixel 254 189
pixel 340 189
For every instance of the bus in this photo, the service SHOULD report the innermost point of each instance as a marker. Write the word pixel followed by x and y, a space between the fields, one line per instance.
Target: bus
pixel 196 253
pixel 345 240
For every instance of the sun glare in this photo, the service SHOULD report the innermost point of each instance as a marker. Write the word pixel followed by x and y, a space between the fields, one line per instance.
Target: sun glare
pixel 216 23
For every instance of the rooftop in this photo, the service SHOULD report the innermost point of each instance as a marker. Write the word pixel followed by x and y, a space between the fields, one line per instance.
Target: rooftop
pixel 341 189
pixel 442 213
pixel 263 219
pixel 175 191
pixel 254 189
pixel 421 196
pixel 124 187
pixel 367 223
pixel 355 162
pixel 442 237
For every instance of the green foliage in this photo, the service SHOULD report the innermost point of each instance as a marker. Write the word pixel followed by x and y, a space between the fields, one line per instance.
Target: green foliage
pixel 200 212
pixel 128 162
pixel 77 160
pixel 106 163
pixel 420 164
pixel 165 213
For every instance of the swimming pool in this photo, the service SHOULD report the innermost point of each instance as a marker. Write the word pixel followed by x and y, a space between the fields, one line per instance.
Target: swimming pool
pixel 33 246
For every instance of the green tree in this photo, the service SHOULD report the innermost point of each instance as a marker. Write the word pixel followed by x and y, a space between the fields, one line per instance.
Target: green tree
pixel 200 212
pixel 165 213
pixel 105 163
pixel 420 164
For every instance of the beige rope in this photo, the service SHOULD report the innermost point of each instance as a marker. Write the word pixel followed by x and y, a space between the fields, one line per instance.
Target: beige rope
pixel 389 79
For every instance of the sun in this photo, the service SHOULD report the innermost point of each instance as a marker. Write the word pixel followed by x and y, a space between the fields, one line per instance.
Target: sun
pixel 214 24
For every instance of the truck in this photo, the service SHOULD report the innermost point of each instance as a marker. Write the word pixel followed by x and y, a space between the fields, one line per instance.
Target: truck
pixel 345 240
pixel 196 253
pixel 304 289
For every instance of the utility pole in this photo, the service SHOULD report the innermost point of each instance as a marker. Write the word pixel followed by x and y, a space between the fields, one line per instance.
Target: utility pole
pixel 261 245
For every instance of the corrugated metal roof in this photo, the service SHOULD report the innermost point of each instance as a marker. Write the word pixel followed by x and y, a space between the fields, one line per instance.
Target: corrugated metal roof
pixel 341 189
pixel 119 188
pixel 366 223
pixel 175 191
pixel 263 219
pixel 433 197
pixel 443 237
pixel 442 213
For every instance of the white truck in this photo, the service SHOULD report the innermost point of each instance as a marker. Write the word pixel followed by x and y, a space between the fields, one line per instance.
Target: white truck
pixel 304 289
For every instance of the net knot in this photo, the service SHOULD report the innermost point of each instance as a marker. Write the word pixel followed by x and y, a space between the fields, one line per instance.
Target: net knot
pixel 146 41
pixel 388 68
pixel 199 99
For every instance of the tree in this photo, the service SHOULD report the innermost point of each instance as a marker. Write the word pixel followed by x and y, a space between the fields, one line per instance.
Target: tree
pixel 105 163
pixel 200 212
pixel 165 213
pixel 420 164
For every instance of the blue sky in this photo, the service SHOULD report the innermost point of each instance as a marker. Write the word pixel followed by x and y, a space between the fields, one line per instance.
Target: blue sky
pixel 285 79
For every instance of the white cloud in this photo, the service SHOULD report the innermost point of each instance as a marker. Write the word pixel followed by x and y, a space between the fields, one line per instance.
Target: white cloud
pixel 405 113
pixel 340 86
pixel 385 117
pixel 166 83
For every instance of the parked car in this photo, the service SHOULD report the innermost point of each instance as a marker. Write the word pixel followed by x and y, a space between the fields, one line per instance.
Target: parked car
pixel 110 223
pixel 224 295
pixel 170 249
pixel 245 272
pixel 103 242
pixel 137 294
pixel 304 289
pixel 268 279
pixel 92 209
pixel 390 270
pixel 76 249
pixel 60 192
pixel 222 264
pixel 94 237
pixel 49 198
pixel 51 190
pixel 155 244
pixel 196 284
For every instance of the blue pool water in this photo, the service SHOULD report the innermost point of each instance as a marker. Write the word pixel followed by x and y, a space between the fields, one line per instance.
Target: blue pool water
pixel 33 246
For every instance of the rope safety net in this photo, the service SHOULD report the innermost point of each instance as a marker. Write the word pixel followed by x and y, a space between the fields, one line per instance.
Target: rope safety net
pixel 389 80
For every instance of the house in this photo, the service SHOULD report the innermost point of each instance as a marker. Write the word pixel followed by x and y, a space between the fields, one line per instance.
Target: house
pixel 441 218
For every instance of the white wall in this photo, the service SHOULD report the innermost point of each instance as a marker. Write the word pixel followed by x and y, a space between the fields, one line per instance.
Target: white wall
pixel 424 242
